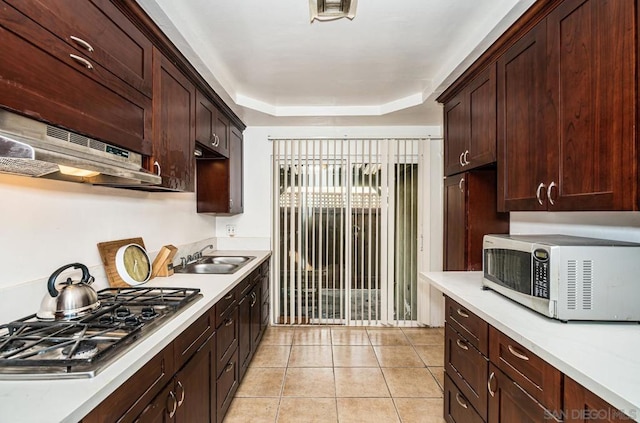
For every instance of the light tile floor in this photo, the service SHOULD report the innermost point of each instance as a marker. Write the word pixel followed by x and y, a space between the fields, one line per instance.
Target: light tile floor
pixel 343 374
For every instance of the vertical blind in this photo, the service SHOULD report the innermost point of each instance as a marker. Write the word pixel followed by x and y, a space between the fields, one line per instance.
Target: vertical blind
pixel 346 230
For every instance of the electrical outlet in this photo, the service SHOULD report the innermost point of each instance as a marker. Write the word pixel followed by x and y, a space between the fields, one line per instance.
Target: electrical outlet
pixel 231 230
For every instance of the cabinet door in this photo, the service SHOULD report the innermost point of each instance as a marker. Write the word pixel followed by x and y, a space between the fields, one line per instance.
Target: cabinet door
pixel 470 213
pixel 457 408
pixel 173 125
pixel 456 133
pixel 522 156
pixel 244 334
pixel 455 223
pixel 162 409
pixel 509 403
pixel 591 64
pixel 212 127
pixel 192 385
pixel 256 315
pixel 222 128
pixel 482 120
pixel 582 406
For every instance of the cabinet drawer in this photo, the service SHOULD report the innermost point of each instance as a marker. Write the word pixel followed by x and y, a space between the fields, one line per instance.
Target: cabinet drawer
pixel 468 369
pixel 137 392
pixel 541 380
pixel 99 32
pixel 188 342
pixel 227 340
pixel 92 102
pixel 227 385
pixel 456 407
pixel 471 327
pixel 225 306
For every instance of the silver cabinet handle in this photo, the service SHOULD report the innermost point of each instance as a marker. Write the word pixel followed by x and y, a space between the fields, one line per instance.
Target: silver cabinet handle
pixel 461 184
pixel 82 43
pixel 254 298
pixel 181 400
pixel 174 407
pixel 217 141
pixel 156 164
pixel 229 367
pixel 228 322
pixel 460 159
pixel 517 353
pixel 84 62
pixel 462 313
pixel 466 162
pixel 228 296
pixel 538 191
pixel 551 185
pixel 212 140
pixel 492 376
pixel 459 400
pixel 461 345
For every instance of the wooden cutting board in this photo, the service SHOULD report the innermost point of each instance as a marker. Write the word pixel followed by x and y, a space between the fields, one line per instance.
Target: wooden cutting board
pixel 108 252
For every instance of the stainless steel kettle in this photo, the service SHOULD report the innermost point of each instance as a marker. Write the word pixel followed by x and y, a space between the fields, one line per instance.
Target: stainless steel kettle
pixel 73 299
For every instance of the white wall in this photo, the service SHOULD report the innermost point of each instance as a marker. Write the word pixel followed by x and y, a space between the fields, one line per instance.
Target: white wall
pixel 253 227
pixel 622 226
pixel 46 224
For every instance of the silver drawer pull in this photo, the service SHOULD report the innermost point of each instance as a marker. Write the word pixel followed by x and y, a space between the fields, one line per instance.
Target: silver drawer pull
pixel 549 188
pixel 181 400
pixel 459 400
pixel 460 184
pixel 517 353
pixel 466 162
pixel 174 406
pixel 492 376
pixel 82 42
pixel 539 191
pixel 228 322
pixel 460 159
pixel 229 296
pixel 82 61
pixel 229 367
pixel 462 313
pixel 156 164
pixel 461 345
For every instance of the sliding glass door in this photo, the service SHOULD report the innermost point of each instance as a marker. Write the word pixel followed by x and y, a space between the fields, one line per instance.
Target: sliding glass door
pixel 346 232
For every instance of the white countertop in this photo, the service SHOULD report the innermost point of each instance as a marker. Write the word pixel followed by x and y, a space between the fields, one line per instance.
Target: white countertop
pixel 603 357
pixel 70 400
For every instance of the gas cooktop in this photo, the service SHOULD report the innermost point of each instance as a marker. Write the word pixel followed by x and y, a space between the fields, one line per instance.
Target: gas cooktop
pixel 34 349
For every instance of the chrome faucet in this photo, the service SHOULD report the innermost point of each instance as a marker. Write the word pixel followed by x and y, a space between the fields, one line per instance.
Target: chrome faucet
pixel 198 254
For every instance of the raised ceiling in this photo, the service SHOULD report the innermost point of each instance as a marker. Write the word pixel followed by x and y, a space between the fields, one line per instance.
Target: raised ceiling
pixel 385 67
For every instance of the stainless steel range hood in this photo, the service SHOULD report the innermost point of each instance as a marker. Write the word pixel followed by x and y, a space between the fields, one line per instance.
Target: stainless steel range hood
pixel 32 148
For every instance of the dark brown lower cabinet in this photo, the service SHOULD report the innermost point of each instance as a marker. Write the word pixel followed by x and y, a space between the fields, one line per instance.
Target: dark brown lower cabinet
pixel 457 408
pixel 187 398
pixel 509 403
pixel 582 405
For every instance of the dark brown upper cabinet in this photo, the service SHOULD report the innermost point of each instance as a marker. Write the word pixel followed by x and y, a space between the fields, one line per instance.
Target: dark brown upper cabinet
pixel 567 111
pixel 470 125
pixel 220 181
pixel 470 212
pixel 79 65
pixel 212 126
pixel 174 100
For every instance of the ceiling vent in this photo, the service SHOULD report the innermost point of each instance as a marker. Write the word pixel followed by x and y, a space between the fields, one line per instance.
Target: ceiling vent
pixel 328 10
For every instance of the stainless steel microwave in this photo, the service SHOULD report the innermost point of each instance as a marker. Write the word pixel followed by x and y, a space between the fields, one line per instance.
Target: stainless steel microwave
pixel 565 277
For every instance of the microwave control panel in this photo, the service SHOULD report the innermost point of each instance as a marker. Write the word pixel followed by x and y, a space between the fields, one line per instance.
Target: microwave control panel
pixel 541 273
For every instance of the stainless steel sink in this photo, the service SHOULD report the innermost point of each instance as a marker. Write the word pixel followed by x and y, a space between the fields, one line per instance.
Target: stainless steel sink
pixel 220 265
pixel 225 259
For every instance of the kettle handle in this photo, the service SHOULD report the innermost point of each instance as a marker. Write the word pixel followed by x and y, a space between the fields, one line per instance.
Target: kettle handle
pixel 52 279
